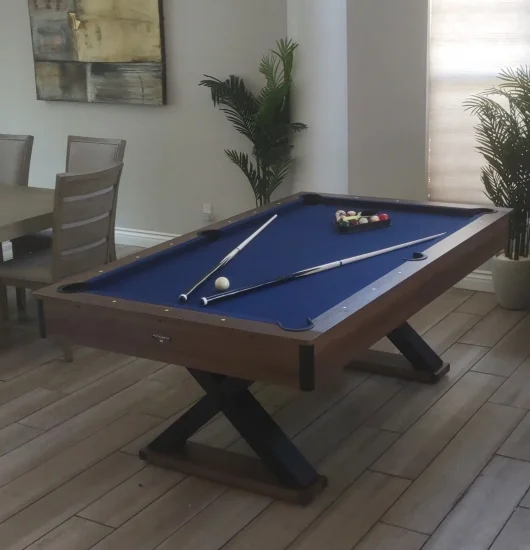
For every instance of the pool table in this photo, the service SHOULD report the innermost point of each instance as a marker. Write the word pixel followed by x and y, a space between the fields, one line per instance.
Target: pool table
pixel 296 334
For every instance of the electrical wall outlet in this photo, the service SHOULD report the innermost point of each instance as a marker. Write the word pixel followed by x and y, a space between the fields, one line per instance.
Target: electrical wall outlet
pixel 207 211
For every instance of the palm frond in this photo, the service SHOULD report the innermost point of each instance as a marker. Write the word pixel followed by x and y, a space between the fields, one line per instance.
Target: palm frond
pixel 237 102
pixel 243 161
pixel 264 119
pixel 503 137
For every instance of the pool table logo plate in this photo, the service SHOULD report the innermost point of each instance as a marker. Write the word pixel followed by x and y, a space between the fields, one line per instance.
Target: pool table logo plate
pixel 161 339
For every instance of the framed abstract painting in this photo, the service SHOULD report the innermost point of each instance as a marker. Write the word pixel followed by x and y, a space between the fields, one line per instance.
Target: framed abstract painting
pixel 99 51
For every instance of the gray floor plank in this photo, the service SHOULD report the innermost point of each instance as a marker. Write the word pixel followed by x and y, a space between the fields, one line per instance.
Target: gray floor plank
pixel 44 515
pixel 89 396
pixel 33 485
pixel 449 330
pixel 434 312
pixel 389 537
pixel 327 432
pixel 492 327
pixel 479 517
pixel 516 390
pixel 525 503
pixel 516 533
pixel 400 413
pixel 415 450
pixel 21 359
pixel 218 523
pixel 49 444
pixel 340 529
pixel 26 404
pixel 430 498
pixel 518 444
pixel 280 524
pixel 509 353
pixel 132 496
pixel 153 525
pixel 74 534
pixel 15 435
pixel 87 367
pixel 481 303
pixel 431 315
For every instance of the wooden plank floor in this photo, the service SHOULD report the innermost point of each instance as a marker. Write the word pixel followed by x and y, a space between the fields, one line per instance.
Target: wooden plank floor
pixel 410 466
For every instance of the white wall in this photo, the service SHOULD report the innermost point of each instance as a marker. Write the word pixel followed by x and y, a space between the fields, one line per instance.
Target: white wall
pixel 174 160
pixel 387 61
pixel 321 94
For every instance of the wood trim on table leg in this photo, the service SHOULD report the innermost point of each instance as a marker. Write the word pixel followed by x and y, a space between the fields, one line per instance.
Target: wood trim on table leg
pixel 418 361
pixel 280 471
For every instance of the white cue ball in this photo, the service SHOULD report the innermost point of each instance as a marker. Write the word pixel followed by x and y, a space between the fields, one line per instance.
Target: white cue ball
pixel 363 220
pixel 374 219
pixel 222 283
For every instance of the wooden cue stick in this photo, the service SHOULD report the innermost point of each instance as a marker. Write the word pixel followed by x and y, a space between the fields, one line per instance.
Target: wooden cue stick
pixel 226 259
pixel 312 271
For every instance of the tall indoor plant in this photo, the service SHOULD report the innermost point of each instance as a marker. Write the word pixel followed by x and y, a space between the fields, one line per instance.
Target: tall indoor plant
pixel 265 119
pixel 503 135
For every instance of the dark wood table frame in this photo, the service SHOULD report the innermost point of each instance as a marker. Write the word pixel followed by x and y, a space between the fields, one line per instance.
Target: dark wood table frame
pixel 226 355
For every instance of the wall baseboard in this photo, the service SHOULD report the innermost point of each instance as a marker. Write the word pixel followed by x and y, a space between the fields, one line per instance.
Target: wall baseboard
pixel 141 239
pixel 479 280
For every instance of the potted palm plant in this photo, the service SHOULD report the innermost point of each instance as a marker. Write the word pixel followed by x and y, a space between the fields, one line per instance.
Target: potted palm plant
pixel 263 118
pixel 503 135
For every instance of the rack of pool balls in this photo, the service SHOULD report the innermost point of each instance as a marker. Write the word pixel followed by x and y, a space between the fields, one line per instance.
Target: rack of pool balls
pixel 354 222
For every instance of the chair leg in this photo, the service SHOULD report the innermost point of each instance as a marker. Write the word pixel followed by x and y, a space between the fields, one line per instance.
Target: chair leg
pixel 21 300
pixel 4 317
pixel 68 352
pixel 112 253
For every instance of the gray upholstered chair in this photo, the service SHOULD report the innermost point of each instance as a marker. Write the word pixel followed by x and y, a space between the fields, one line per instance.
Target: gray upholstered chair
pixel 84 211
pixel 15 160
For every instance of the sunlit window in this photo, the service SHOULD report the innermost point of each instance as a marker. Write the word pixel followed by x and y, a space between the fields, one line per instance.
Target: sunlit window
pixel 471 40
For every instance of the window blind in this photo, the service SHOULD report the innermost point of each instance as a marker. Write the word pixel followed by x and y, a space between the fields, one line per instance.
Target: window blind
pixel 471 41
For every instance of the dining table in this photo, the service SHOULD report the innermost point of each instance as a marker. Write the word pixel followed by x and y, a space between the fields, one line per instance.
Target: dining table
pixel 24 210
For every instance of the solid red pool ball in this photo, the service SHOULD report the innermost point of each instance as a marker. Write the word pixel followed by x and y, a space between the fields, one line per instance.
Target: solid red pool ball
pixel 384 217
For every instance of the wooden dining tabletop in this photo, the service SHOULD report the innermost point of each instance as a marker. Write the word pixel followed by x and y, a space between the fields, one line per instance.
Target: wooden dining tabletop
pixel 24 210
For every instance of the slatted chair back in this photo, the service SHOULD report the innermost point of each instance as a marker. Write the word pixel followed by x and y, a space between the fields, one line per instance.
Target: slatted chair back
pixel 85 154
pixel 15 158
pixel 85 207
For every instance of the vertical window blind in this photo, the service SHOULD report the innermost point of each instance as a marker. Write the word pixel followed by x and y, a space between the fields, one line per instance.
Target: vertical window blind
pixel 471 41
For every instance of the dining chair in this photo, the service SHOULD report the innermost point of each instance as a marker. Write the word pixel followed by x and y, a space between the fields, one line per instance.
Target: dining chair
pixel 84 210
pixel 83 154
pixel 15 160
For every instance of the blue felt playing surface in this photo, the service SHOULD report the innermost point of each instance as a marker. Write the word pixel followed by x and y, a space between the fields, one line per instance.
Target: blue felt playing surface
pixel 302 236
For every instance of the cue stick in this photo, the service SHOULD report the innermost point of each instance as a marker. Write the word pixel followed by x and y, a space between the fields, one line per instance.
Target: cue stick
pixel 312 271
pixel 184 297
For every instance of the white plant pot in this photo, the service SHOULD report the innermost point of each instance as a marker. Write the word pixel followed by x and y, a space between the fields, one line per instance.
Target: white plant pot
pixel 511 281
